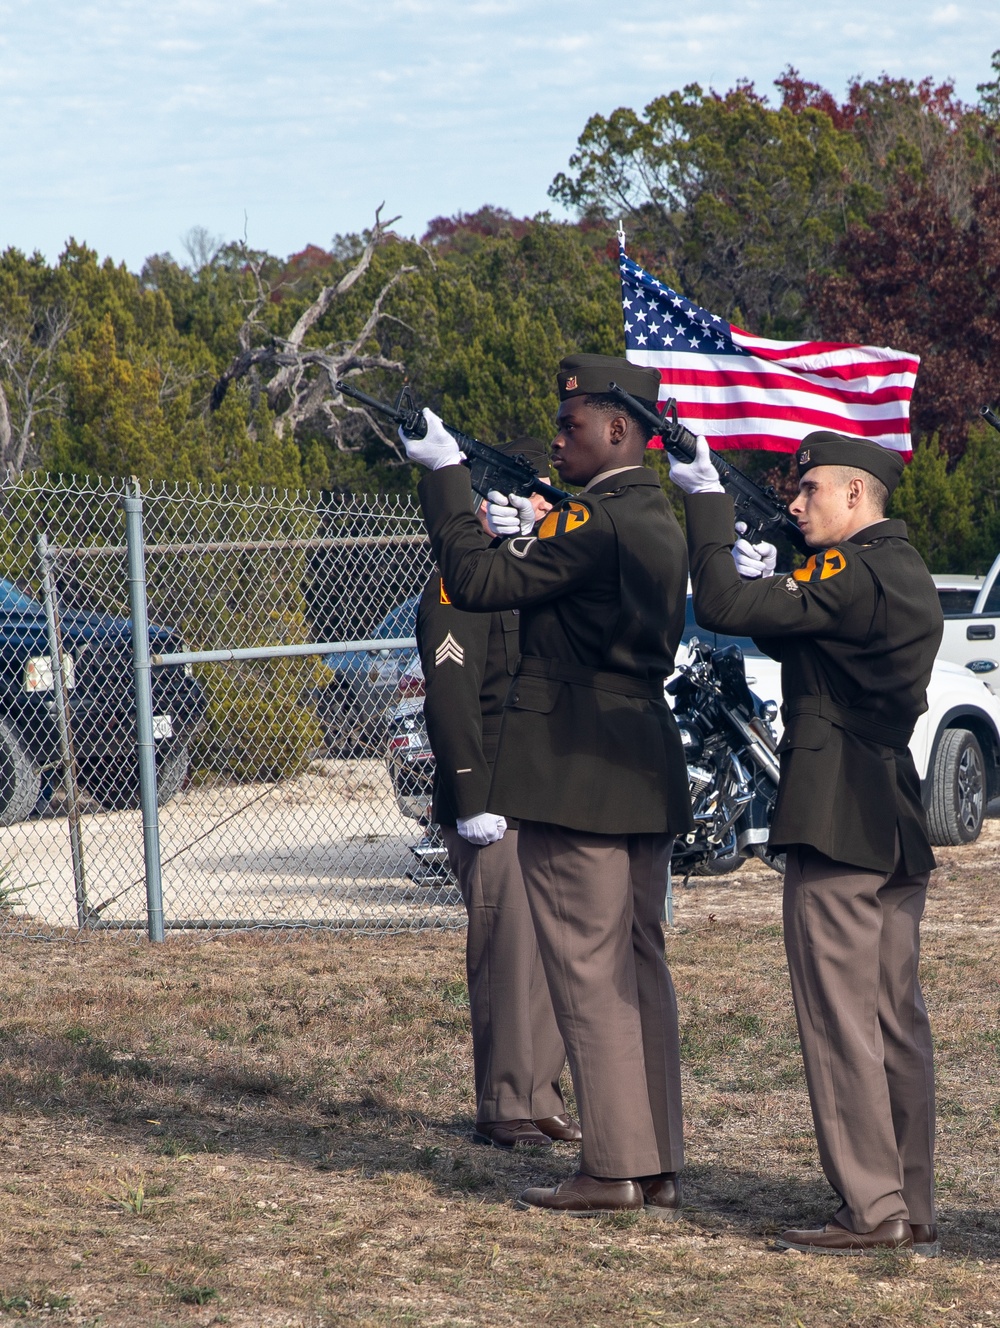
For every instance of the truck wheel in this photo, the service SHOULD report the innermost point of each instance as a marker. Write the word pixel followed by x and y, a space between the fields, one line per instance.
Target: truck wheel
pixel 20 778
pixel 958 789
pixel 117 790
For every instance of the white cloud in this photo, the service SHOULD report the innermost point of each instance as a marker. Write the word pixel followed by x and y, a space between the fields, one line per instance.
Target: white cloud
pixel 946 14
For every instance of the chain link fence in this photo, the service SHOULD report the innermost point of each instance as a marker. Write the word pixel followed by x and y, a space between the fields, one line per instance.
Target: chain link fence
pixel 276 807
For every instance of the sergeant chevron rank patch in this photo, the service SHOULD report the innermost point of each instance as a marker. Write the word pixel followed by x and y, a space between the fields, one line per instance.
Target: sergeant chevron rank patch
pixel 821 566
pixel 564 520
pixel 449 649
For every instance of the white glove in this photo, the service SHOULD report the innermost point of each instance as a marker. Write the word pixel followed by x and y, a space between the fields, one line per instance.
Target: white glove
pixel 509 514
pixel 699 475
pixel 753 560
pixel 482 829
pixel 437 448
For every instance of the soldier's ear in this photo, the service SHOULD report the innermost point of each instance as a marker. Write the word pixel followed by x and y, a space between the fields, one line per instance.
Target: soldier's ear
pixel 619 428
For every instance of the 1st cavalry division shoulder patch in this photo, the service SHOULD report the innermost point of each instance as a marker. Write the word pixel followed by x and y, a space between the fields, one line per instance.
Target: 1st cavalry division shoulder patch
pixel 821 566
pixel 564 520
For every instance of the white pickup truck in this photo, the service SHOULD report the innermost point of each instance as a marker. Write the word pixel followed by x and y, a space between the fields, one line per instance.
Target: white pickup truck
pixel 971 607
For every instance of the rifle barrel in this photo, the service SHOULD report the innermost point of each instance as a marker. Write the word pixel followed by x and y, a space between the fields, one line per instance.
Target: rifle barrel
pixel 990 418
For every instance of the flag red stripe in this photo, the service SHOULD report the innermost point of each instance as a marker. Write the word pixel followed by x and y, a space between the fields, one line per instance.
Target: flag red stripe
pixel 776 382
pixel 784 350
pixel 806 416
pixel 762 442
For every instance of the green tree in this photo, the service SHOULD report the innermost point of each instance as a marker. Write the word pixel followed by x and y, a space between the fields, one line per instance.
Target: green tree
pixel 115 424
pixel 938 508
pixel 741 200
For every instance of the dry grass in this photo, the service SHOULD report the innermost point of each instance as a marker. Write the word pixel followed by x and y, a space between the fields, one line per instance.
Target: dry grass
pixel 254 1133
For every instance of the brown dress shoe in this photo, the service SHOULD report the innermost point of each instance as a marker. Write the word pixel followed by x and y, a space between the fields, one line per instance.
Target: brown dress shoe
pixel 925 1239
pixel 563 1128
pixel 508 1134
pixel 585 1196
pixel 663 1196
pixel 836 1239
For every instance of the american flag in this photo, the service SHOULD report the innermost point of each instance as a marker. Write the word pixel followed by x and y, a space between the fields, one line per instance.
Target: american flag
pixel 743 391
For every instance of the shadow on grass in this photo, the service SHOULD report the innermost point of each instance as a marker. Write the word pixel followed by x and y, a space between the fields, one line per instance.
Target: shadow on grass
pixel 170 1109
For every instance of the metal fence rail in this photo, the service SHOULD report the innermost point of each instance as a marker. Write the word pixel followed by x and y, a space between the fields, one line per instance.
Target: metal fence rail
pixel 224 764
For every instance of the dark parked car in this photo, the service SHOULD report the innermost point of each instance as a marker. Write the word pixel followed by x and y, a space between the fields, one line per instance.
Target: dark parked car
pixel 98 674
pixel 352 708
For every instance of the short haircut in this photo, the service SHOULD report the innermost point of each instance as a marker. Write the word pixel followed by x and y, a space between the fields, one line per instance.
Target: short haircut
pixel 609 405
pixel 874 488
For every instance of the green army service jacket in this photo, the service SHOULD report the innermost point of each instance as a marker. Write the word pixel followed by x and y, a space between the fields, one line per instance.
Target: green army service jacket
pixel 587 740
pixel 468 661
pixel 856 631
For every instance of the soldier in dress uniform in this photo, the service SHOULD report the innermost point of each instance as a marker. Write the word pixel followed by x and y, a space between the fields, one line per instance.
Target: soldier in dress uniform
pixel 469 660
pixel 590 762
pixel 856 630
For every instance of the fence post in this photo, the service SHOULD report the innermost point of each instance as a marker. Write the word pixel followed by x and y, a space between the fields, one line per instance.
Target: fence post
pixel 64 728
pixel 142 678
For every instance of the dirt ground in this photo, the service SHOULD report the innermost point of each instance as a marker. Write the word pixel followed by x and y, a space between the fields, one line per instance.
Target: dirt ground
pixel 260 1132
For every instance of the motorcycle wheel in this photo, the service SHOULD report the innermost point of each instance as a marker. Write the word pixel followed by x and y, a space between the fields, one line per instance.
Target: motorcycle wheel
pixel 776 861
pixel 729 859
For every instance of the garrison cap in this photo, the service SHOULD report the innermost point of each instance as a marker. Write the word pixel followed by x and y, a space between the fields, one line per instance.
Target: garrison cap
pixel 581 375
pixel 532 449
pixel 824 448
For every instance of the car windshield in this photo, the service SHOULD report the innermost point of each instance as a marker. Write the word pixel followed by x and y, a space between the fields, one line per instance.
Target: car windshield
pixel 716 639
pixel 12 601
pixel 401 621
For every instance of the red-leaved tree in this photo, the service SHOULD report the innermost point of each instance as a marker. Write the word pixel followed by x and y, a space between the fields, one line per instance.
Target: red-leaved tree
pixel 920 279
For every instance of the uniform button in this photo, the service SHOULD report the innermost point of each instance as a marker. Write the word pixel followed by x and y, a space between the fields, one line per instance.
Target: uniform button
pixel 516 697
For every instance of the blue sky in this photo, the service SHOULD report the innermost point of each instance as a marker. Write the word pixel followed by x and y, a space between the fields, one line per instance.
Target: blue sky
pixel 124 123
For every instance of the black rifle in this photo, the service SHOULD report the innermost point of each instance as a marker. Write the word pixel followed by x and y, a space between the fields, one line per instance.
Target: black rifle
pixel 760 509
pixel 489 469
pixel 990 418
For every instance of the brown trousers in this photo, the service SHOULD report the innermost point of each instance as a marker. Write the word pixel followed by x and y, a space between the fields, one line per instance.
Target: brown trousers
pixel 852 938
pixel 597 902
pixel 517 1052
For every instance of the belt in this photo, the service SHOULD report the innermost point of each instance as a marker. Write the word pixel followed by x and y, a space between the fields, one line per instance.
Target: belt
pixel 860 724
pixel 622 684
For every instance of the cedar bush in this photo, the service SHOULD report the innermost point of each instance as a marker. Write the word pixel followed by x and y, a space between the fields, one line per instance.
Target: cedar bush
pixel 256 728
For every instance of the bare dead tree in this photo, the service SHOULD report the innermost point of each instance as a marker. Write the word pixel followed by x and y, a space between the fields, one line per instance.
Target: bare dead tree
pixel 29 389
pixel 299 380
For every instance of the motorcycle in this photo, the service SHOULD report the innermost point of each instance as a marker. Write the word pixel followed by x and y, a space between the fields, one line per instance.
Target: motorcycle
pixel 731 752
pixel 732 764
pixel 411 769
